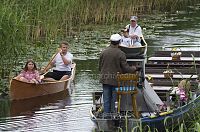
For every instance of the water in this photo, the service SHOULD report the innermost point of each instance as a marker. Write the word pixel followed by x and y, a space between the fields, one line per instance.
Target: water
pixel 62 112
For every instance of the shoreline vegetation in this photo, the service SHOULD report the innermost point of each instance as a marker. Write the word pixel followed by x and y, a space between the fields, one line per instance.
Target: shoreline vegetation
pixel 30 27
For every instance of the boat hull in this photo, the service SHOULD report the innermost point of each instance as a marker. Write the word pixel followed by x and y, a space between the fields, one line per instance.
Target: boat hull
pixel 23 107
pixel 135 52
pixel 22 90
pixel 160 122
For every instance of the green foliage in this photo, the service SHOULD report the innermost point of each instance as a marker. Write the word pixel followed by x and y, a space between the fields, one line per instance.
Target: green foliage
pixel 4 108
pixel 197 127
pixel 3 87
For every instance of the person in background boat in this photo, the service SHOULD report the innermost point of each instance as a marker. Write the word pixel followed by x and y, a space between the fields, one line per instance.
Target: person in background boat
pixel 29 73
pixel 62 62
pixel 135 31
pixel 111 61
pixel 125 41
pixel 183 89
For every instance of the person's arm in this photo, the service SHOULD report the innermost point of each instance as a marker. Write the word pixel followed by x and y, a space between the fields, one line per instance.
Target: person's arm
pixel 37 76
pixel 66 60
pixel 17 77
pixel 125 66
pixel 133 36
pixel 20 75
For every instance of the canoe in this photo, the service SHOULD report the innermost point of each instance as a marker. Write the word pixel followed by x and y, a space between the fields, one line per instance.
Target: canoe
pixel 21 90
pixel 135 52
pixel 148 99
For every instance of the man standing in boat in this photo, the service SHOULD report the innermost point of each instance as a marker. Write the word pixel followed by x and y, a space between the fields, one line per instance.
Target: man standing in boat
pixel 135 31
pixel 62 62
pixel 112 60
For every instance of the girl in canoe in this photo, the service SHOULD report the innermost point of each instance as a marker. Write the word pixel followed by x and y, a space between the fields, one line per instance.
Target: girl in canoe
pixel 29 73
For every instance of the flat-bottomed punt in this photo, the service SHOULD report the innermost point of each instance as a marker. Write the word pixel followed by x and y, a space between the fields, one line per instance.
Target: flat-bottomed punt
pixel 21 90
pixel 156 100
pixel 135 52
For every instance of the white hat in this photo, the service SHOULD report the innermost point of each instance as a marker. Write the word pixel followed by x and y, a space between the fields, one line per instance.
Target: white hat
pixel 115 37
pixel 133 18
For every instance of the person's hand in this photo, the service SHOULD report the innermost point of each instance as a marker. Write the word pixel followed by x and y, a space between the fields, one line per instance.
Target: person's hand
pixel 61 53
pixel 42 70
pixel 138 68
pixel 133 36
pixel 34 81
pixel 134 67
pixel 41 77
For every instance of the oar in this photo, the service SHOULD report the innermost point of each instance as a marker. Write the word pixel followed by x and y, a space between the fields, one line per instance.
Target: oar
pixel 58 50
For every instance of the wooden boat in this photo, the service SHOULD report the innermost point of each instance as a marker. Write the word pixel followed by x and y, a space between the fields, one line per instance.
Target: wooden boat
pixel 135 52
pixel 158 121
pixel 22 90
pixel 169 114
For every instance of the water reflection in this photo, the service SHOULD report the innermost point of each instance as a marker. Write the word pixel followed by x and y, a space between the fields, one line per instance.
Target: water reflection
pixel 29 106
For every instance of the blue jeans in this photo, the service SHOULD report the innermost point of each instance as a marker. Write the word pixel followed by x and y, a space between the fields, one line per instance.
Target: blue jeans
pixel 109 98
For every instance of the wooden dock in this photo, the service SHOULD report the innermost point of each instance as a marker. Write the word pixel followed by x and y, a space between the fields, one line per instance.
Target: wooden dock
pixel 185 68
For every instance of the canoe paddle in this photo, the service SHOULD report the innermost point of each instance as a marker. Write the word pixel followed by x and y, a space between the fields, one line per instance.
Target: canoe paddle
pixel 52 58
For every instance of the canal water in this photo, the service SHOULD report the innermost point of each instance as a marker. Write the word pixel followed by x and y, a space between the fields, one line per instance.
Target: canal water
pixel 70 111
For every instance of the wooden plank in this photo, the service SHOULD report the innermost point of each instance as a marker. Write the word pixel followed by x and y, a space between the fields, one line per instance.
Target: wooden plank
pixel 169 59
pixel 160 70
pixel 175 82
pixel 175 76
pixel 184 53
pixel 171 65
pixel 162 88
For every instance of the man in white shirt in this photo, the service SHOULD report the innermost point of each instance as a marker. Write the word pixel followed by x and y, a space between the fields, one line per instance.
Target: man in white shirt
pixel 135 31
pixel 62 62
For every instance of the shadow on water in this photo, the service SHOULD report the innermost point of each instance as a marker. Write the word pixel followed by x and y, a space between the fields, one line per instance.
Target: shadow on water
pixel 29 106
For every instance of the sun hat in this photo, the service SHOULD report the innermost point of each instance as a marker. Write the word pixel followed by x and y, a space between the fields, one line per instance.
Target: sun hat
pixel 133 18
pixel 115 37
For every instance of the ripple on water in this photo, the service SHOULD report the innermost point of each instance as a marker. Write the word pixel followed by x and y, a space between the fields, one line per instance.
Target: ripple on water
pixel 52 120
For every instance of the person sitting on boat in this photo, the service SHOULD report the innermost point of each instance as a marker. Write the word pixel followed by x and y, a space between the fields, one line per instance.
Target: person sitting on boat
pixel 29 73
pixel 62 62
pixel 183 90
pixel 112 60
pixel 135 31
pixel 125 41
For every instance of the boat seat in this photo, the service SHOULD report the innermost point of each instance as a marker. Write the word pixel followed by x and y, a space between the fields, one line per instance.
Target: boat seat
pixel 127 84
pixel 135 57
